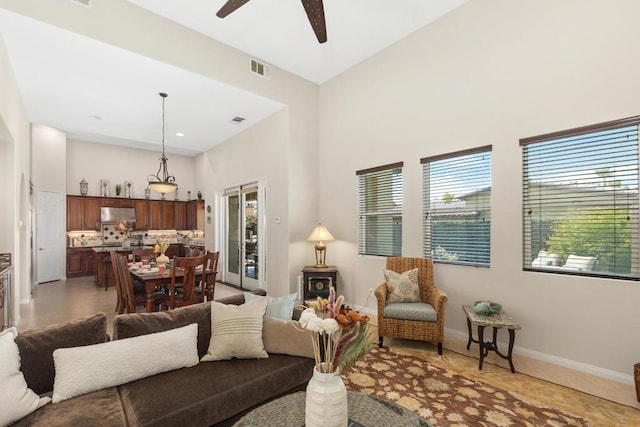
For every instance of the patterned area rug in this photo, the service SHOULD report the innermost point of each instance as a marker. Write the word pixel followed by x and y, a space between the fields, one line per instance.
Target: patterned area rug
pixel 443 397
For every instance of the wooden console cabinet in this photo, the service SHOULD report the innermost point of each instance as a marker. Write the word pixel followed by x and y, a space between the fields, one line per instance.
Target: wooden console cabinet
pixel 317 281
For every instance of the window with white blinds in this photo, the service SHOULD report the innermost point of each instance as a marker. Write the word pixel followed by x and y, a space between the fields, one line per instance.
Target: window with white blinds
pixel 580 201
pixel 457 207
pixel 380 210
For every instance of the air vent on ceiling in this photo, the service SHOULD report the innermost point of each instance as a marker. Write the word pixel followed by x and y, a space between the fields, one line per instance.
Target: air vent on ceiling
pixel 237 119
pixel 85 3
pixel 260 68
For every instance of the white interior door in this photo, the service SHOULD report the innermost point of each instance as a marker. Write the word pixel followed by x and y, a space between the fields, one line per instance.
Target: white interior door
pixel 48 236
pixel 243 237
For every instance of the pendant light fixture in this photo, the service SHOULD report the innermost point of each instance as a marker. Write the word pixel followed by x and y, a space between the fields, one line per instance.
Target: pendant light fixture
pixel 162 182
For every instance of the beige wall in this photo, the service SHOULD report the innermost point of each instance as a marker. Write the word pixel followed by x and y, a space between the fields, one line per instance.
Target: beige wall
pixel 95 161
pixel 491 72
pixel 15 162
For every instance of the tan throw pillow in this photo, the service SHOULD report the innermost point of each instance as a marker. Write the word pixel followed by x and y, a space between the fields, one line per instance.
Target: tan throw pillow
pixel 287 337
pixel 402 287
pixel 236 331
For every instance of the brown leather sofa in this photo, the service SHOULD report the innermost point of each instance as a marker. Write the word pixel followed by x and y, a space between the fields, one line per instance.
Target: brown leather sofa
pixel 210 393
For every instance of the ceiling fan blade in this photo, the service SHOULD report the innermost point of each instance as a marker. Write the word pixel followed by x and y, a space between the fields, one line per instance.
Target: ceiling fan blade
pixel 230 6
pixel 315 13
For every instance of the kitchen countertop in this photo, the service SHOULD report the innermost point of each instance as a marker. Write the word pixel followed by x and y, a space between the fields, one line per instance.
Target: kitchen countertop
pixel 109 249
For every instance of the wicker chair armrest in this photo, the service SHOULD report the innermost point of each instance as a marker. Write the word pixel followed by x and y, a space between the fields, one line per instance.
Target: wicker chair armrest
pixel 438 298
pixel 381 296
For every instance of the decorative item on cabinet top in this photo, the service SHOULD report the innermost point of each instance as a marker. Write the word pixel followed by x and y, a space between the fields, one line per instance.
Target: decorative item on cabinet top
pixel 104 187
pixel 84 187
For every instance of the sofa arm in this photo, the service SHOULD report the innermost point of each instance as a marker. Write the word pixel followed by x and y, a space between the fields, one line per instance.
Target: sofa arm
pixel 238 299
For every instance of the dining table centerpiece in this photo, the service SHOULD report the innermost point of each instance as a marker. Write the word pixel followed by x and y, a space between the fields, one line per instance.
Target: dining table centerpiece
pixel 341 335
pixel 160 248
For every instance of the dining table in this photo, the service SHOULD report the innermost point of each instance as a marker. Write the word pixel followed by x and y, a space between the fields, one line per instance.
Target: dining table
pixel 154 280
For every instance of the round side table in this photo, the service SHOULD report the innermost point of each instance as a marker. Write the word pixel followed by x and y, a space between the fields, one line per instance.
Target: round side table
pixel 364 410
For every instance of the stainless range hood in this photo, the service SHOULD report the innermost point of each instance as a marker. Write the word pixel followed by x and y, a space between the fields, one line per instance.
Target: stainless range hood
pixel 113 215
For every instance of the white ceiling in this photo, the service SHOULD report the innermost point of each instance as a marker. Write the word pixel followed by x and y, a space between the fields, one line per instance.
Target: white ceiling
pixel 65 78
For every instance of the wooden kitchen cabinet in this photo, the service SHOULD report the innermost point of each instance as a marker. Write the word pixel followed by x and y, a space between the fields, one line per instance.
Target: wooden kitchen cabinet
pixel 75 212
pixel 83 213
pixel 180 216
pixel 92 213
pixel 195 215
pixel 156 215
pixel 80 262
pixel 142 214
pixel 169 216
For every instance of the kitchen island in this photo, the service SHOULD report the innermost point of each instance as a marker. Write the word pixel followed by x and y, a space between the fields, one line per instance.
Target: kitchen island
pixel 102 257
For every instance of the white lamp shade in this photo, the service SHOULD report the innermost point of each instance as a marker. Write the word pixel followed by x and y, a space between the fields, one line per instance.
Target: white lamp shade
pixel 163 187
pixel 319 234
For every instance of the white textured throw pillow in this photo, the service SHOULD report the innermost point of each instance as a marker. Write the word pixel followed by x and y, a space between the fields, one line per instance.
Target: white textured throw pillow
pixel 81 370
pixel 17 400
pixel 236 331
pixel 402 287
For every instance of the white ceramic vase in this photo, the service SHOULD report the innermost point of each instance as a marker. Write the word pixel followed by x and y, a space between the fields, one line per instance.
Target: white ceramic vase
pixel 162 259
pixel 326 400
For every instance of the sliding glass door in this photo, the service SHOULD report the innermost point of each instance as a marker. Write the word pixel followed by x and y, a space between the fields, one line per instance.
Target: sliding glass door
pixel 243 229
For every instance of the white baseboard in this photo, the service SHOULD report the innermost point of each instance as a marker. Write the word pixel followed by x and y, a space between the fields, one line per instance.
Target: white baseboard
pixel 555 360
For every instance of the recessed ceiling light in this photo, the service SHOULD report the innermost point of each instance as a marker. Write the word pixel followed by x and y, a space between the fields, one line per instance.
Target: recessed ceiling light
pixel 179 134
pixel 94 117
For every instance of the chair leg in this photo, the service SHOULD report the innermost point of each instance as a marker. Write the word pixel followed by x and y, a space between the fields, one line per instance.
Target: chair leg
pixel 380 342
pixel 440 348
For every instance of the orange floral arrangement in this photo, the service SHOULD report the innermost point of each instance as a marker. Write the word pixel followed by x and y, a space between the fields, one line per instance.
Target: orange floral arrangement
pixel 341 333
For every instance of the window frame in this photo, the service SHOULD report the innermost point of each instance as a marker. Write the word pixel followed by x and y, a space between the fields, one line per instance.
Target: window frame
pixel 429 211
pixel 632 213
pixel 391 193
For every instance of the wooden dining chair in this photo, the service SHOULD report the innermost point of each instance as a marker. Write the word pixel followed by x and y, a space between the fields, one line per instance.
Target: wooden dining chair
pixel 121 304
pixel 134 297
pixel 212 272
pixel 194 252
pixel 142 253
pixel 193 283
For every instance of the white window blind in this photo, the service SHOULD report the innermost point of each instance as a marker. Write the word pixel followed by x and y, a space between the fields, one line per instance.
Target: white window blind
pixel 580 201
pixel 457 207
pixel 380 210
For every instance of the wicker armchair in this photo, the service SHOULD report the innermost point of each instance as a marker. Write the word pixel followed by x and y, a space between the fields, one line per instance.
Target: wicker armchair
pixel 429 294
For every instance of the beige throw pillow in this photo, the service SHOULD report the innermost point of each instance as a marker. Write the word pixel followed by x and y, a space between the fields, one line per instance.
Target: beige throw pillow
pixel 236 331
pixel 402 287
pixel 287 337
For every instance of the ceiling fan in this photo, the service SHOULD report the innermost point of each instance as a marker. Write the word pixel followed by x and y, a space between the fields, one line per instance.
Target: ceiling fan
pixel 314 9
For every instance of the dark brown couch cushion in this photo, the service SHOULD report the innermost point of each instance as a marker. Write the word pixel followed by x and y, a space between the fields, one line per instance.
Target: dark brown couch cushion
pixel 98 409
pixel 37 345
pixel 212 392
pixel 135 324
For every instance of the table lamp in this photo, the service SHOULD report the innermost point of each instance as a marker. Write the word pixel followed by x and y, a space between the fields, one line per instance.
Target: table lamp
pixel 318 235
